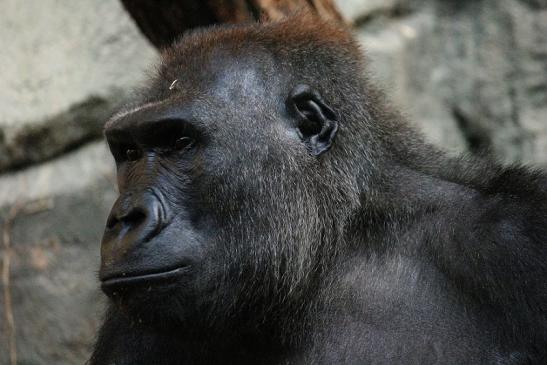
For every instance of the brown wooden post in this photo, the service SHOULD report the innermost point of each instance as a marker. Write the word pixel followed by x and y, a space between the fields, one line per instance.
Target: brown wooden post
pixel 162 21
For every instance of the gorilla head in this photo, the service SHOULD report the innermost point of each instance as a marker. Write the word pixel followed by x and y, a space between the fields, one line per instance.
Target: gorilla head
pixel 234 174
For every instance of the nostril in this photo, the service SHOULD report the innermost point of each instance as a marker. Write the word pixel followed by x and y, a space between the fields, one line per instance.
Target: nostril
pixel 134 218
pixel 111 222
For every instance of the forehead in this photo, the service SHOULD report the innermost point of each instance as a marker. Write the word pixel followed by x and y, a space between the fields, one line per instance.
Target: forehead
pixel 215 83
pixel 224 72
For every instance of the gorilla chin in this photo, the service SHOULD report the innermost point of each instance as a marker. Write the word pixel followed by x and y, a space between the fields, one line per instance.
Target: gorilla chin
pixel 150 298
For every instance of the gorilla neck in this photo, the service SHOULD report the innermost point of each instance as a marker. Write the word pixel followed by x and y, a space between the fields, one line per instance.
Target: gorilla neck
pixel 399 193
pixel 124 342
pixel 417 178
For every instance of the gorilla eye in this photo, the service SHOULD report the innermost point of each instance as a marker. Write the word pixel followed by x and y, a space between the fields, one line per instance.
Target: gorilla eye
pixel 133 154
pixel 183 143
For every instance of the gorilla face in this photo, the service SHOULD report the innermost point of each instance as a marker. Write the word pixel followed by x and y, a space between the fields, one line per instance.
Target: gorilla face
pixel 223 199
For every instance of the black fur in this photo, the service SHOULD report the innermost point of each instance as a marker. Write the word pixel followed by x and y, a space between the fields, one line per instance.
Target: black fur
pixel 381 250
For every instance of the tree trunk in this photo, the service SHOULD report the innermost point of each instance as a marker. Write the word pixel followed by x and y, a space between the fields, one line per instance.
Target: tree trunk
pixel 163 21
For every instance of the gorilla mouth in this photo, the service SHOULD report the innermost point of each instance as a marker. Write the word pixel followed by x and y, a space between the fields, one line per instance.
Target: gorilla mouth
pixel 116 281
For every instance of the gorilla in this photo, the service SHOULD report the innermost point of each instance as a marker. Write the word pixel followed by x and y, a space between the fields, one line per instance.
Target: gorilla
pixel 274 209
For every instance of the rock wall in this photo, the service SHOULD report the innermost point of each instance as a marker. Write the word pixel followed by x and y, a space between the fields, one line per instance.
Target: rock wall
pixel 472 74
pixel 67 66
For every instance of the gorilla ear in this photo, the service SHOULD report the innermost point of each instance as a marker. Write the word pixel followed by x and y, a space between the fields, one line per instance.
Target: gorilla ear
pixel 317 123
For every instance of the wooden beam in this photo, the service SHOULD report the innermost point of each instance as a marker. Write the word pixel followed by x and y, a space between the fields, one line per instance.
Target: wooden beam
pixel 163 21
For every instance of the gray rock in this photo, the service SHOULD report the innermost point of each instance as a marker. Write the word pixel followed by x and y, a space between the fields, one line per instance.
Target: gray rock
pixel 410 77
pixel 471 74
pixel 362 11
pixel 71 64
pixel 68 175
pixel 55 239
pixel 495 56
pixel 358 9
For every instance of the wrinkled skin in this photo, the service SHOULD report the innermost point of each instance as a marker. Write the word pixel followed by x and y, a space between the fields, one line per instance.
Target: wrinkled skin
pixel 274 210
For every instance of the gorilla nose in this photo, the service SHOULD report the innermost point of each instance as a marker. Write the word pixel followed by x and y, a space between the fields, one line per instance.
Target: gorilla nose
pixel 134 219
pixel 127 220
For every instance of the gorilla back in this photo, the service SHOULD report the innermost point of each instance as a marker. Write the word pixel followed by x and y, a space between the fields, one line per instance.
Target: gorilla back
pixel 274 209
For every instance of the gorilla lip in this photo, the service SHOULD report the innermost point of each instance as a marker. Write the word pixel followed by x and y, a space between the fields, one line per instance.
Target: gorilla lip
pixel 140 279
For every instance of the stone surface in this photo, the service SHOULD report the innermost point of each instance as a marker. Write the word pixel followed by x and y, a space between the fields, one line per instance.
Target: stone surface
pixel 55 237
pixel 62 176
pixel 65 65
pixel 356 10
pixel 410 77
pixel 495 61
pixel 472 74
